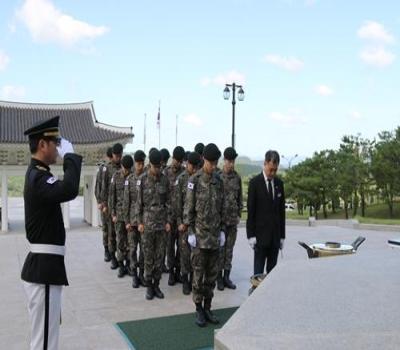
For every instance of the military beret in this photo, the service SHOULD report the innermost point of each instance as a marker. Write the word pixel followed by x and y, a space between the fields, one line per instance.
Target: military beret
pixel 211 152
pixel 164 155
pixel 117 148
pixel 186 155
pixel 155 157
pixel 178 153
pixel 109 152
pixel 230 153
pixel 140 156
pixel 199 148
pixel 194 158
pixel 127 161
pixel 46 128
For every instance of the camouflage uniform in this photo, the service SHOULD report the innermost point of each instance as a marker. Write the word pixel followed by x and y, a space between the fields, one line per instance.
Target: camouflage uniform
pixel 203 214
pixel 154 212
pixel 172 173
pixel 111 168
pixel 232 212
pixel 118 183
pixel 97 193
pixel 130 198
pixel 184 247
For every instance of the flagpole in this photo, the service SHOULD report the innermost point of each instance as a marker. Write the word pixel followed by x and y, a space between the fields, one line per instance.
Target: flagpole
pixel 176 131
pixel 144 133
pixel 159 125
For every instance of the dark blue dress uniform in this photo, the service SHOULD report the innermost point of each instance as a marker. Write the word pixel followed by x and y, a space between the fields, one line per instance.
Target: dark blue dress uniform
pixel 43 273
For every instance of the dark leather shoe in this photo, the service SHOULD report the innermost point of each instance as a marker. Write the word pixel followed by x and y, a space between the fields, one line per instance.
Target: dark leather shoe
pixel 149 292
pixel 171 279
pixel 121 270
pixel 107 255
pixel 200 316
pixel 158 293
pixel 227 281
pixel 114 263
pixel 220 281
pixel 210 317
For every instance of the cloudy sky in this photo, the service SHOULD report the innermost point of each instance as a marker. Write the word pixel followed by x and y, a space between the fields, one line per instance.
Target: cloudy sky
pixel 312 70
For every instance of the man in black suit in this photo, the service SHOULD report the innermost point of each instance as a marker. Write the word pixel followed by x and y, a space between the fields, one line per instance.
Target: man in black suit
pixel 266 214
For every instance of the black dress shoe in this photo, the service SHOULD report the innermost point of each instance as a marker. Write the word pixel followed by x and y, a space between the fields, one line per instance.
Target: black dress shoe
pixel 200 316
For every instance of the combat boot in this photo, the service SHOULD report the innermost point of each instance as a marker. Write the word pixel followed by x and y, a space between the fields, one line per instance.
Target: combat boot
pixel 121 269
pixel 107 255
pixel 135 279
pixel 191 281
pixel 157 291
pixel 178 277
pixel 171 278
pixel 210 317
pixel 200 316
pixel 149 290
pixel 220 281
pixel 128 267
pixel 185 284
pixel 114 262
pixel 142 280
pixel 227 282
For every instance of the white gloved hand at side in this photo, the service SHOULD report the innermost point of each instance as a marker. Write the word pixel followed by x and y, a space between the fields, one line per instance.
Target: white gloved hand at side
pixel 192 240
pixel 64 148
pixel 282 243
pixel 252 242
pixel 222 239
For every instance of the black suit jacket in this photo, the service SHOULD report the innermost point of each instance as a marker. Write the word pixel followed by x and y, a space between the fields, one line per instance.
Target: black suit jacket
pixel 265 220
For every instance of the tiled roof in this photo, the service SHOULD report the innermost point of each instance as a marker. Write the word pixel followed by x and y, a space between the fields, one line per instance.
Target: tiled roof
pixel 78 123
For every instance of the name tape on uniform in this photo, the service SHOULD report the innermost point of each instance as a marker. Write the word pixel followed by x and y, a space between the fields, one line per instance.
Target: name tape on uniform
pixel 51 180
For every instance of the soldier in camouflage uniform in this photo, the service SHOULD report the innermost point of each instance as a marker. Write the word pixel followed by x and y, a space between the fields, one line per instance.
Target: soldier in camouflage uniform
pixel 97 192
pixel 172 172
pixel 203 215
pixel 180 197
pixel 233 211
pixel 104 197
pixel 153 215
pixel 199 148
pixel 130 198
pixel 118 183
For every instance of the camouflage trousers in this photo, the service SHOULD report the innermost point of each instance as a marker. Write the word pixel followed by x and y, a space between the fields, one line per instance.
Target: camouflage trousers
pixel 226 253
pixel 205 271
pixel 184 252
pixel 134 242
pixel 122 241
pixel 153 243
pixel 173 248
pixel 112 239
pixel 104 228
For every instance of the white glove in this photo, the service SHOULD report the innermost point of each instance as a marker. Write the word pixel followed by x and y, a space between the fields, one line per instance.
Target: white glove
pixel 192 240
pixel 252 242
pixel 282 243
pixel 222 239
pixel 64 148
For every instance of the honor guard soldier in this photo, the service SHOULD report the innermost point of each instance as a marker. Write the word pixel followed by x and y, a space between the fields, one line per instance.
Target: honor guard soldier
pixel 44 272
pixel 110 169
pixel 130 198
pixel 233 211
pixel 153 215
pixel 172 172
pixel 203 216
pixel 118 183
pixel 97 192
pixel 180 197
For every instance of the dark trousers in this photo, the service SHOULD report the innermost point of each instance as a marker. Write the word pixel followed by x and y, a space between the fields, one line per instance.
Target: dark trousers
pixel 265 253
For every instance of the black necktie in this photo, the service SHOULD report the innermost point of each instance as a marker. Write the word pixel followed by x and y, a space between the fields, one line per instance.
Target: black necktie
pixel 271 195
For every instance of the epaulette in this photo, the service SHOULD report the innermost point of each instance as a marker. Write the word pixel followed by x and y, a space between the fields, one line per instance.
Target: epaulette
pixel 39 167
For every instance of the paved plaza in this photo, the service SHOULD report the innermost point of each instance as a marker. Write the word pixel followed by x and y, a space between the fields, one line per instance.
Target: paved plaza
pixel 96 299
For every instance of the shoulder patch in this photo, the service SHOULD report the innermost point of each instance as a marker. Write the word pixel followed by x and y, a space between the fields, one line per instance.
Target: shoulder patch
pixel 190 185
pixel 138 182
pixel 41 167
pixel 51 180
pixel 104 168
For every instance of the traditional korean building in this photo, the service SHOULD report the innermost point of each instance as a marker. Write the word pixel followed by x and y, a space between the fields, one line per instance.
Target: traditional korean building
pixel 78 124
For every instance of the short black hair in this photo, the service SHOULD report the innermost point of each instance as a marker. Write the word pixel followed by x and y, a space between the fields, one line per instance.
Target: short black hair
pixel 272 156
pixel 109 152
pixel 33 144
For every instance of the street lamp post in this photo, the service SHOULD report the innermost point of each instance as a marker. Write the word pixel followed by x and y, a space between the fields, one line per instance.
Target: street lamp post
pixel 227 93
pixel 290 159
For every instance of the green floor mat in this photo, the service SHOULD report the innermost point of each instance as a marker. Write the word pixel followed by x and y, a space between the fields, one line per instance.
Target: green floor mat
pixel 178 332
